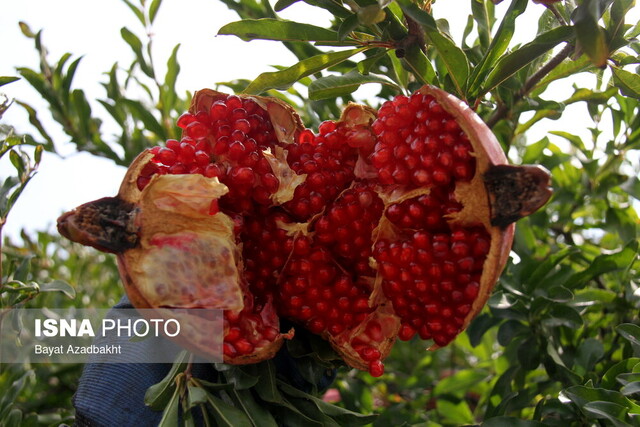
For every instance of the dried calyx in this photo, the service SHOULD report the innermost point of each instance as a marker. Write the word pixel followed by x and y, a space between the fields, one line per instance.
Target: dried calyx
pixel 384 224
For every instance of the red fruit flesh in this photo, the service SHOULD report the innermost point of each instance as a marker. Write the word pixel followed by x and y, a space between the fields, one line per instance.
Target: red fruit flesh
pixel 384 224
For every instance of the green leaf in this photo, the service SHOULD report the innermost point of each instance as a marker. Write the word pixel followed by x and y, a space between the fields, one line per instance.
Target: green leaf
pixel 510 422
pixel 24 28
pixel 348 25
pixel 196 396
pixel 138 12
pixel 343 416
pixel 542 269
pixel 153 10
pixel 286 78
pixel 630 332
pixel 604 264
pixel 227 415
pixel 341 85
pixel 257 412
pixel 416 62
pixel 266 387
pixel 451 55
pixel 140 112
pixel 510 64
pixel 170 414
pixel 497 47
pixel 479 326
pixel 59 286
pixel 631 388
pixel 283 4
pixel 136 45
pixel 275 29
pixel 627 82
pixel 590 351
pixel 609 379
pixel 591 37
pixel 616 414
pixel 6 80
pixel 583 395
pixel 158 395
pixel 68 78
pixel 460 382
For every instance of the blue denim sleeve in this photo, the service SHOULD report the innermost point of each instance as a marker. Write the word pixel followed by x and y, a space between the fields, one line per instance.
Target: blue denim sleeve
pixel 112 394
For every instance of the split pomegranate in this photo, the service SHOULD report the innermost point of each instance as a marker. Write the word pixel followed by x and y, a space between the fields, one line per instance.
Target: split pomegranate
pixel 385 224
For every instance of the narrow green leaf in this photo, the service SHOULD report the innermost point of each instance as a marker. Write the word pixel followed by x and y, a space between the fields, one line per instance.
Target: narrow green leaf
pixel 26 31
pixel 140 112
pixel 416 62
pixel 341 85
pixel 481 16
pixel 35 121
pixel 591 37
pixel 510 422
pixel 153 10
pixel 227 415
pixel 535 277
pixel 157 396
pixel 286 78
pixel 497 47
pixel 7 79
pixel 170 414
pixel 275 29
pixel 604 264
pixel 348 25
pixel 631 388
pixel 266 387
pixel 460 382
pixel 17 162
pixel 614 413
pixel 257 413
pixel 138 12
pixel 283 4
pixel 609 379
pixel 344 416
pixel 82 112
pixel 59 286
pixel 510 64
pixel 68 78
pixel 630 332
pixel 451 55
pixel 196 396
pixel 136 45
pixel 627 82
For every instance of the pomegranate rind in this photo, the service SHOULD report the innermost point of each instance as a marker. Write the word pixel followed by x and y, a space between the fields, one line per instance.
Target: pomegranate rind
pixel 181 240
pixel 474 196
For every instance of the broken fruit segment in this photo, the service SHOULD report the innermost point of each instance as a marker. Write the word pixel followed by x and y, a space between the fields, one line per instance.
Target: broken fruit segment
pixel 385 224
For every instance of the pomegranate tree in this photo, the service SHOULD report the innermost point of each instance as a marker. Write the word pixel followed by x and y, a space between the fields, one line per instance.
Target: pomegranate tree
pixel 382 225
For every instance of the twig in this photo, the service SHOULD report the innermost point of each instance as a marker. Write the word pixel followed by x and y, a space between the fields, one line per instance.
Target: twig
pixel 502 110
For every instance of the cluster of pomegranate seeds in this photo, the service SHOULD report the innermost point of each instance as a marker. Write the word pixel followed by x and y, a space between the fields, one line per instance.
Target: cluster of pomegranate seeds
pixel 266 249
pixel 227 142
pixel 347 225
pixel 429 211
pixel 432 279
pixel 328 161
pixel 245 331
pixel 420 144
pixel 317 293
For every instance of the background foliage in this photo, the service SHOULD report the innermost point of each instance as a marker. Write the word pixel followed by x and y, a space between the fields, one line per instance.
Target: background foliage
pixel 558 343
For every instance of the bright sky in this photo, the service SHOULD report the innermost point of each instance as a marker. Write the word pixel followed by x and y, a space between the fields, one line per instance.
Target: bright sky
pixel 92 29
